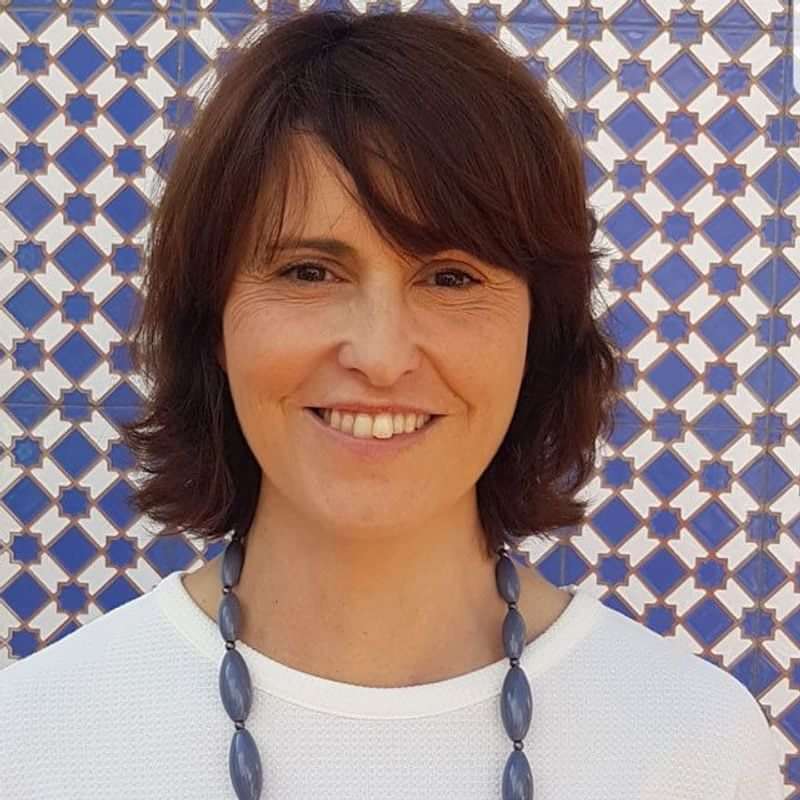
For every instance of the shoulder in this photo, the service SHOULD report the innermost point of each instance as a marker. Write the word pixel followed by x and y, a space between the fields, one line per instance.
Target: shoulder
pixel 87 697
pixel 67 662
pixel 662 666
pixel 697 711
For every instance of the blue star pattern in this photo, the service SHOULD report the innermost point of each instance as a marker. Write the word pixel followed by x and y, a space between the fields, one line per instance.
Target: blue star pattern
pixel 691 125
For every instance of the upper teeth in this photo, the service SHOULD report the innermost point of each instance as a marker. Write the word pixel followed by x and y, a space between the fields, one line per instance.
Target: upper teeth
pixel 381 426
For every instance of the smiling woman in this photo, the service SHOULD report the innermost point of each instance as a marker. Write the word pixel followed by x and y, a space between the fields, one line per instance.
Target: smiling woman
pixel 369 339
pixel 350 198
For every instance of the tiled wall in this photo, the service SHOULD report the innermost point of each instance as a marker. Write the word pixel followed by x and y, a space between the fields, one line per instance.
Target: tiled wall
pixel 693 158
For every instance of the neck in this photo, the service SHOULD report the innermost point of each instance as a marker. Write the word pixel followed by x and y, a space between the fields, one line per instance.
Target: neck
pixel 380 608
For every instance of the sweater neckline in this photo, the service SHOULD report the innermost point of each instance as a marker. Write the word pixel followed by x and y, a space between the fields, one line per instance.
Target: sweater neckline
pixel 543 653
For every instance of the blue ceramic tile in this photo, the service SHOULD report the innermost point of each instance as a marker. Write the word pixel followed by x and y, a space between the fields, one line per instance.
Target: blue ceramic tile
pixel 693 169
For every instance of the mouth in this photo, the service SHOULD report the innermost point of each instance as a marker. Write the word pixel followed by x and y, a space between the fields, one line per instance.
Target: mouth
pixel 320 412
pixel 371 444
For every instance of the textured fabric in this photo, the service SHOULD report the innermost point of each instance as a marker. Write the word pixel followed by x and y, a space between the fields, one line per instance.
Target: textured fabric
pixel 128 707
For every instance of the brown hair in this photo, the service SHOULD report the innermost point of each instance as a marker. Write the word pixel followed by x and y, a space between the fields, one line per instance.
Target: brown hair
pixel 489 166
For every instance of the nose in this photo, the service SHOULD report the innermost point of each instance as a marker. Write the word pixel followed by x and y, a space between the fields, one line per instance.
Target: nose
pixel 381 339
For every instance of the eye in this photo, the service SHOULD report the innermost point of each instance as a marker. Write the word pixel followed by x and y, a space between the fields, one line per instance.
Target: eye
pixel 306 267
pixel 470 280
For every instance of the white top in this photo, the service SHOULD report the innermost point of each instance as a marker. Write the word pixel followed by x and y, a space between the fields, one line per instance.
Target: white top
pixel 128 706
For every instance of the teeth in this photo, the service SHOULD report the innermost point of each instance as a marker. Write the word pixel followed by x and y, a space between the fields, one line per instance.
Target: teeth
pixel 380 426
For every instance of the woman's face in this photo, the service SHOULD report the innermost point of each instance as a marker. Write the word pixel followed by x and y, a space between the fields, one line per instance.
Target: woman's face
pixel 368 327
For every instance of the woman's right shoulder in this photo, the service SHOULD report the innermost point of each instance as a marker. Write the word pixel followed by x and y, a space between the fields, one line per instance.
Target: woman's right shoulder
pixel 75 655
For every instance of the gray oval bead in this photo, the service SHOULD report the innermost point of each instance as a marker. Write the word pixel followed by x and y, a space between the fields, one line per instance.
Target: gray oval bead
pixel 234 685
pixel 232 560
pixel 507 579
pixel 514 633
pixel 229 616
pixel 516 703
pixel 517 777
pixel 244 764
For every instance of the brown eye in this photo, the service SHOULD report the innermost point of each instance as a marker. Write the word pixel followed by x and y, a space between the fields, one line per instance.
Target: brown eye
pixel 459 282
pixel 305 268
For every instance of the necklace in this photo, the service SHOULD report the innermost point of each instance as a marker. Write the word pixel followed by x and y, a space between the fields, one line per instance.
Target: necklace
pixel 235 688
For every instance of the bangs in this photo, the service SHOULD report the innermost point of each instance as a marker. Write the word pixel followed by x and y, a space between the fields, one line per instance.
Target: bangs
pixel 419 204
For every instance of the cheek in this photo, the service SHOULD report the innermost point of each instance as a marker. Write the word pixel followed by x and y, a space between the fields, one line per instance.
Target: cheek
pixel 260 349
pixel 258 378
pixel 495 354
pixel 262 376
pixel 494 377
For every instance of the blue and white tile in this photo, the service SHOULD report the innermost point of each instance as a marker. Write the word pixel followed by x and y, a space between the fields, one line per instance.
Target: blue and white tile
pixel 693 162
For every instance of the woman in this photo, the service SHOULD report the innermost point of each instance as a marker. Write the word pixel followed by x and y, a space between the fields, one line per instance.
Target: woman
pixel 369 333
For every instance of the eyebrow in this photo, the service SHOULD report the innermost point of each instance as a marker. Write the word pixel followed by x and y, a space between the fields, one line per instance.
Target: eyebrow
pixel 335 247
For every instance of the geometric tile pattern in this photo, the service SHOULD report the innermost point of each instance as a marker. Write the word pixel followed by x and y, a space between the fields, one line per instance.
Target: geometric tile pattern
pixel 691 127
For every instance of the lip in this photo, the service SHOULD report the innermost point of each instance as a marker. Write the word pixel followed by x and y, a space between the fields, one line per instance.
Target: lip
pixel 358 408
pixel 373 448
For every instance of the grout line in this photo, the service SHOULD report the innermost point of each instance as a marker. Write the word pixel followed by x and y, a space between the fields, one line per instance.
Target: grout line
pixel 777 249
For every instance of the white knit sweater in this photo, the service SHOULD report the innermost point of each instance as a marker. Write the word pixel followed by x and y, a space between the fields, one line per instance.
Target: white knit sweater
pixel 127 707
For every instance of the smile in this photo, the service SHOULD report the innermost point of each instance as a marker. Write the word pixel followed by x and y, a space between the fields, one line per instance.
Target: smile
pixel 368 426
pixel 371 446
